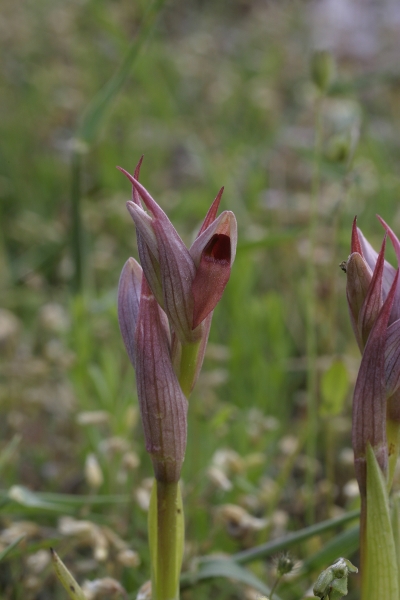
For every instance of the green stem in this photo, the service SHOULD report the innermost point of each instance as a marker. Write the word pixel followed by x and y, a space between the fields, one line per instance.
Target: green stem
pixel 76 221
pixel 363 545
pixel 274 587
pixel 311 303
pixel 188 366
pixel 166 534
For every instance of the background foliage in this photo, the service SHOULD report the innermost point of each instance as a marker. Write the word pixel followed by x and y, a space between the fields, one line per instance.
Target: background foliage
pixel 217 95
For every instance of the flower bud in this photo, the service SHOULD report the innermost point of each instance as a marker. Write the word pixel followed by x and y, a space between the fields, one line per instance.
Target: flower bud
pixel 322 69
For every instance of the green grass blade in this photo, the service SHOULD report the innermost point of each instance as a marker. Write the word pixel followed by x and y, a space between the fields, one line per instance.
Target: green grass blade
pixel 66 579
pixel 380 576
pixel 96 110
pixel 220 567
pixel 292 539
pixel 9 451
pixel 4 552
pixel 24 497
pixel 344 544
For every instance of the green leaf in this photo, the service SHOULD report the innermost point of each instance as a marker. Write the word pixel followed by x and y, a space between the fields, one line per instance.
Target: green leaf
pixel 380 574
pixel 8 452
pixel 344 544
pixel 66 579
pixel 259 552
pixel 334 388
pixel 4 553
pixel 221 567
pixel 24 497
pixel 396 532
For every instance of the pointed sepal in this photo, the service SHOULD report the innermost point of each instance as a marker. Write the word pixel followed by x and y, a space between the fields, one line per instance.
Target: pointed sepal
pixel 163 405
pixel 130 283
pixel 373 300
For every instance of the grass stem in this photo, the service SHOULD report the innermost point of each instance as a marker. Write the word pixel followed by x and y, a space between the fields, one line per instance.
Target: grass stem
pixel 311 308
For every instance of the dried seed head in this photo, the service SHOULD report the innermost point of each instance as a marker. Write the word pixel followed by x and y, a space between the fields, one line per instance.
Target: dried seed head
pixel 284 564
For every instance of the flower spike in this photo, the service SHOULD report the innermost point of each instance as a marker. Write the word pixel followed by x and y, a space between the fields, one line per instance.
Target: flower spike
pixel 369 402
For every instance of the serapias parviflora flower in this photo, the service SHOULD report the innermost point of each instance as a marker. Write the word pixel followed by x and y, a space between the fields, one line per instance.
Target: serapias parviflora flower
pixel 373 296
pixel 165 313
pixel 187 283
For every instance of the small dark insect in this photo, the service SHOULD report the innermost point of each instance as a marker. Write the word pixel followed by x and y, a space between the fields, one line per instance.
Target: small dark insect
pixel 343 265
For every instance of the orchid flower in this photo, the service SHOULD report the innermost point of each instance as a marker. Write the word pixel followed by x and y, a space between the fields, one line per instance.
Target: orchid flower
pixel 373 297
pixel 165 309
pixel 370 279
pixel 187 283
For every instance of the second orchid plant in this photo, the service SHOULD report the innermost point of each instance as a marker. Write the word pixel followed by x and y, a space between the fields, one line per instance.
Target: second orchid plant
pixel 373 295
pixel 165 307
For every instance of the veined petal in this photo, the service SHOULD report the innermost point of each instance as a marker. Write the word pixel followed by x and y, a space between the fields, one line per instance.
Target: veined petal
pixel 371 257
pixel 176 271
pixel 389 271
pixel 393 238
pixel 146 239
pixel 177 274
pixel 128 304
pixel 373 301
pixel 359 277
pixel 143 223
pixel 367 251
pixel 369 401
pixel 163 405
pixel 392 360
pixel 150 203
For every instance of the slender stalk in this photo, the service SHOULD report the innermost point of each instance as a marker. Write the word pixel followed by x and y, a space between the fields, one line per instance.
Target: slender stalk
pixel 188 367
pixel 311 304
pixel 166 534
pixel 333 328
pixel 274 587
pixel 363 545
pixel 76 221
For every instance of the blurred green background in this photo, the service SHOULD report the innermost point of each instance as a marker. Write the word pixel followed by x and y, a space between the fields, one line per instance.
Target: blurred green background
pixel 212 93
